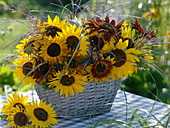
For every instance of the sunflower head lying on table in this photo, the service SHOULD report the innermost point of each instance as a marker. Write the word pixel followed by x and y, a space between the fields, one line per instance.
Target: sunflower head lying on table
pixel 23 114
pixel 65 56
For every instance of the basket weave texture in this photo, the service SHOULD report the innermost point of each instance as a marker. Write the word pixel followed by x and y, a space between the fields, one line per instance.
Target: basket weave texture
pixel 95 99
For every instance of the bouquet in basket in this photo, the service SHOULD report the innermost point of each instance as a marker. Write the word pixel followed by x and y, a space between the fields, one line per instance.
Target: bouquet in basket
pixel 64 55
pixel 67 54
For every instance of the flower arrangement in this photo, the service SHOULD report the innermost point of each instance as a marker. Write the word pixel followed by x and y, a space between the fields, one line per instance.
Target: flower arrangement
pixel 66 55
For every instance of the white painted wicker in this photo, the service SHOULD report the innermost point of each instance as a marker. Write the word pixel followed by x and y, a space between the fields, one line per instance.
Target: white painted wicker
pixel 96 99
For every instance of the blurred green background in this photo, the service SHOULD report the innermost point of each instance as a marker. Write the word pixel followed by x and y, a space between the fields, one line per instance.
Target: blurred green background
pixel 154 14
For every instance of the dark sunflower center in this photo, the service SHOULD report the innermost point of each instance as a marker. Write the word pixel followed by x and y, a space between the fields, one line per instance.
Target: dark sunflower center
pixel 26 68
pixel 43 69
pixel 53 50
pixel 67 81
pixel 52 31
pixel 21 106
pixel 100 67
pixel 96 43
pixel 20 119
pixel 107 26
pixel 28 48
pixel 40 114
pixel 72 42
pixel 120 57
pixel 74 63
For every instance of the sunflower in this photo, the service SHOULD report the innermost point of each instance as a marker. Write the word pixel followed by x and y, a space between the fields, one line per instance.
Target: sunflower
pixel 18 118
pixel 14 100
pixel 73 36
pixel 27 46
pixel 101 70
pixel 41 114
pixel 125 59
pixel 52 27
pixel 23 66
pixel 53 49
pixel 104 27
pixel 68 83
pixel 44 72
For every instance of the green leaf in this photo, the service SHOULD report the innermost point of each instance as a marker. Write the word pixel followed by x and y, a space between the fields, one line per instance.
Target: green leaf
pixel 133 117
pixel 86 61
pixel 167 123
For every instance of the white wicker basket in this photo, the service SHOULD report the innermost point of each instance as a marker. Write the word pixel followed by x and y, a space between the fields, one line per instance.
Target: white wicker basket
pixel 96 99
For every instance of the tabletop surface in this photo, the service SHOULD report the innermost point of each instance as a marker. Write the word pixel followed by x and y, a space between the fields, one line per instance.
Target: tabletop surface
pixel 122 110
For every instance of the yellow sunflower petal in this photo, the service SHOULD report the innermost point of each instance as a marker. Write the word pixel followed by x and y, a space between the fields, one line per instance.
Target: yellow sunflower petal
pixel 49 20
pixel 134 51
pixel 71 91
pixel 122 45
pixel 149 57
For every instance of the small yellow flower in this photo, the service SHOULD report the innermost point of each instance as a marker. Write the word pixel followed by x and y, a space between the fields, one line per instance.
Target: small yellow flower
pixel 168 36
pixel 153 13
